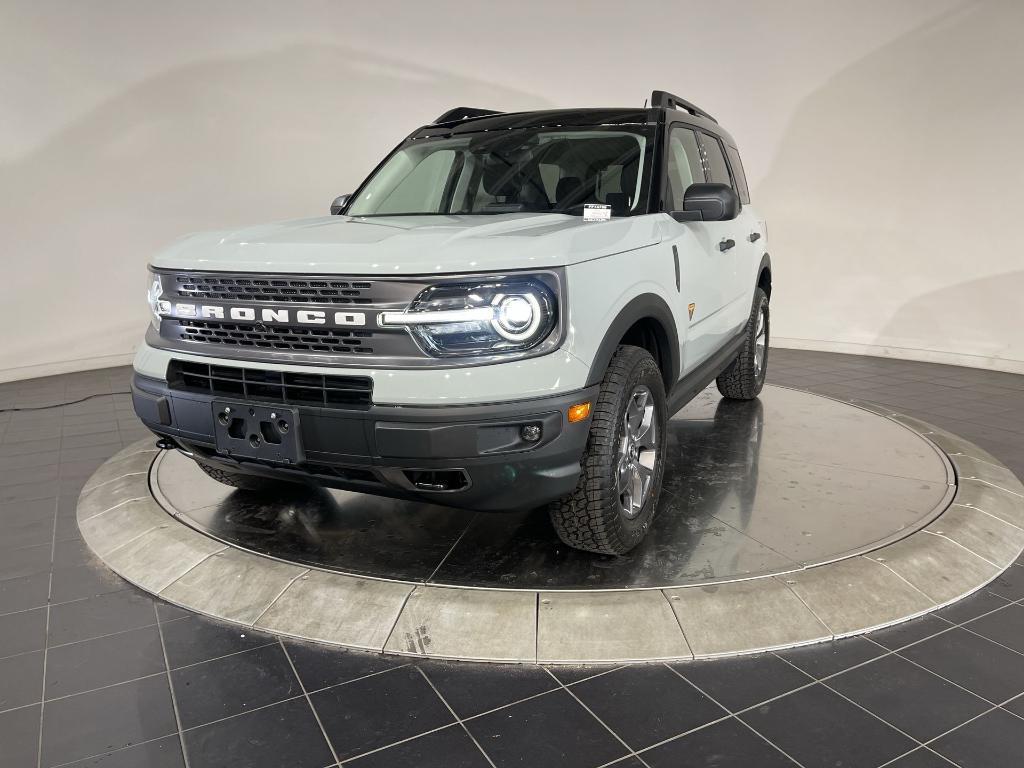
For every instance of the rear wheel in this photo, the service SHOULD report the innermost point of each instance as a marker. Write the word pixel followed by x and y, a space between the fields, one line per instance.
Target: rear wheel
pixel 621 470
pixel 239 480
pixel 744 378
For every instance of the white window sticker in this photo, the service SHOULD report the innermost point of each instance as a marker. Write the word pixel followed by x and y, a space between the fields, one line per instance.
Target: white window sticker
pixel 596 212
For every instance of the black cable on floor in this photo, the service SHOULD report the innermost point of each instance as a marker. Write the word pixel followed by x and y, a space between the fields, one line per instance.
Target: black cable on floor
pixel 61 405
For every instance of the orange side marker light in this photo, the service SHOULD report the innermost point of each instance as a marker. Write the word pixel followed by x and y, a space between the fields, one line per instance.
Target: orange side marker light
pixel 578 412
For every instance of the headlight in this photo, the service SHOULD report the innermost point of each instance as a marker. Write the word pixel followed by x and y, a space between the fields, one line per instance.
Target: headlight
pixel 154 292
pixel 479 318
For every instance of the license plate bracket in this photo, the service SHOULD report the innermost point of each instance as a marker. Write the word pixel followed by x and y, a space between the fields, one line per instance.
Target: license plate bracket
pixel 267 433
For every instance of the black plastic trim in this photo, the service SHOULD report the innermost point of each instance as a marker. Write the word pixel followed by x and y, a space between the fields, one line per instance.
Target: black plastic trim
pixel 766 264
pixel 464 113
pixel 696 380
pixel 671 101
pixel 369 450
pixel 647 305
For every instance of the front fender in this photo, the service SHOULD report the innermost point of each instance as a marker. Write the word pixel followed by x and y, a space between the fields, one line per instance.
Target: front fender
pixel 646 305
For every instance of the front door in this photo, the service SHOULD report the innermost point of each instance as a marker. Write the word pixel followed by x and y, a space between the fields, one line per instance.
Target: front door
pixel 735 237
pixel 706 272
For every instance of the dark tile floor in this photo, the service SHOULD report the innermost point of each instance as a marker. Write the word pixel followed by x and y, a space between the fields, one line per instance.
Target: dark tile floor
pixel 96 673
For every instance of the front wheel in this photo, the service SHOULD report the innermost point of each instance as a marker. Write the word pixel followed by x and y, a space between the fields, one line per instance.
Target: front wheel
pixel 744 378
pixel 621 470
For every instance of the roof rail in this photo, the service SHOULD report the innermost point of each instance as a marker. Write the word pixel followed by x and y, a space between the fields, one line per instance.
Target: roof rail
pixel 462 113
pixel 671 101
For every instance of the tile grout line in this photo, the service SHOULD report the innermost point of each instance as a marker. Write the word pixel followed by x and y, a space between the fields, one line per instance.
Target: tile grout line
pixel 995 485
pixel 457 718
pixel 934 605
pixel 46 636
pixel 186 573
pixel 989 514
pixel 915 750
pixel 49 596
pixel 679 623
pixel 941 535
pixel 733 715
pixel 990 710
pixel 79 761
pixel 153 674
pixel 90 488
pixel 108 509
pixel 170 686
pixel 864 709
pixel 888 652
pixel 786 583
pixel 279 594
pixel 536 628
pixel 630 752
pixel 406 740
pixel 287 699
pixel 110 634
pixel 309 701
pixel 996 642
pixel 132 540
pixel 398 617
pixel 433 573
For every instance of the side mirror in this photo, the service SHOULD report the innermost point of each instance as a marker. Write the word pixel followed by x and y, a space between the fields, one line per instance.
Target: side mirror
pixel 339 204
pixel 708 202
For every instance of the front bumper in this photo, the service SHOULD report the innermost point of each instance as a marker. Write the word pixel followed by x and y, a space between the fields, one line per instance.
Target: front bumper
pixel 402 451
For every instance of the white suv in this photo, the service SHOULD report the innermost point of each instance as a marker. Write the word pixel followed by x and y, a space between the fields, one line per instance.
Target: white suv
pixel 503 316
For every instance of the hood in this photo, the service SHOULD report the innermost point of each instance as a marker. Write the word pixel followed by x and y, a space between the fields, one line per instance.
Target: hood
pixel 411 245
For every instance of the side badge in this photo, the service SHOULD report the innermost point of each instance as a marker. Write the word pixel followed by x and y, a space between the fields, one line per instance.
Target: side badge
pixel 691 308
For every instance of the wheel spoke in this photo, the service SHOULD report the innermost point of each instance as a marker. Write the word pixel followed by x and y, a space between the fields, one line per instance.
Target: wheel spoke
pixel 622 478
pixel 637 452
pixel 644 436
pixel 646 462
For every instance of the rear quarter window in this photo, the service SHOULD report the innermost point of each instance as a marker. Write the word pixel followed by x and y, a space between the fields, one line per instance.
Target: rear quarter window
pixel 738 172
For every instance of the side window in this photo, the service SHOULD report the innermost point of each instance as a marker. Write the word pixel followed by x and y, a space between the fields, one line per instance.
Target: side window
pixel 741 176
pixel 683 166
pixel 718 169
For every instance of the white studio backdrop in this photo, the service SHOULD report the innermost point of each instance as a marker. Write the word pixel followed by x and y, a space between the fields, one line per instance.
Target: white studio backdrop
pixel 882 142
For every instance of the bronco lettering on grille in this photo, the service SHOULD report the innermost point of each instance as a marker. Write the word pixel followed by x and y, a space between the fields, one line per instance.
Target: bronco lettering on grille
pixel 264 315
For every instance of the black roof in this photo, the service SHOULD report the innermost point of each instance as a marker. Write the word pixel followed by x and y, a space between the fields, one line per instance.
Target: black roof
pixel 473 120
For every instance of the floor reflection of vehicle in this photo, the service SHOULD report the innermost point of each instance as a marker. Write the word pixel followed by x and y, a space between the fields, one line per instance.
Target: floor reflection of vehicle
pixel 713 450
pixel 718 458
pixel 765 486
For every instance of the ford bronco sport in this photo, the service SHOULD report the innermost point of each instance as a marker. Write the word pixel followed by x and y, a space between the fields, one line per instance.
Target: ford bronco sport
pixel 502 316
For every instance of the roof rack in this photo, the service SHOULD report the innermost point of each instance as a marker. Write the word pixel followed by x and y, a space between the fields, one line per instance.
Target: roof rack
pixel 671 101
pixel 462 113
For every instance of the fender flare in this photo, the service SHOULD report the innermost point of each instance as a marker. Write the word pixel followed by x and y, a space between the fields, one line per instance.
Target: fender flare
pixel 646 305
pixel 766 263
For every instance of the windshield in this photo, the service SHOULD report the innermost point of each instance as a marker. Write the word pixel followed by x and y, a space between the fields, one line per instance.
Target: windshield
pixel 510 171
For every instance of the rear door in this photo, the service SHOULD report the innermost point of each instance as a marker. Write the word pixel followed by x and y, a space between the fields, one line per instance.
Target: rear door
pixel 705 272
pixel 734 236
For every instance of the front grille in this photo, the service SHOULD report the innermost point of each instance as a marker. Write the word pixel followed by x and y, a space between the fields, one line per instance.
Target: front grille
pixel 276 337
pixel 271 386
pixel 282 290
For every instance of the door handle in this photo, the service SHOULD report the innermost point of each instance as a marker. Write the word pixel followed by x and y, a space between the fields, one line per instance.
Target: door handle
pixel 725 245
pixel 755 236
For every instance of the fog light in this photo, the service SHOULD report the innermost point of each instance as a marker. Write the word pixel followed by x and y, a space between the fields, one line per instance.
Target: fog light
pixel 530 432
pixel 578 412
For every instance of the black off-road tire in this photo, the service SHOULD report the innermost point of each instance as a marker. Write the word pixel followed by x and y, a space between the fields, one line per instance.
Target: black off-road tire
pixel 239 480
pixel 590 518
pixel 741 380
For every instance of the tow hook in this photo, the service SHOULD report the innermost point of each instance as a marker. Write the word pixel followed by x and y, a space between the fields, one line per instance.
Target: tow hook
pixel 164 444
